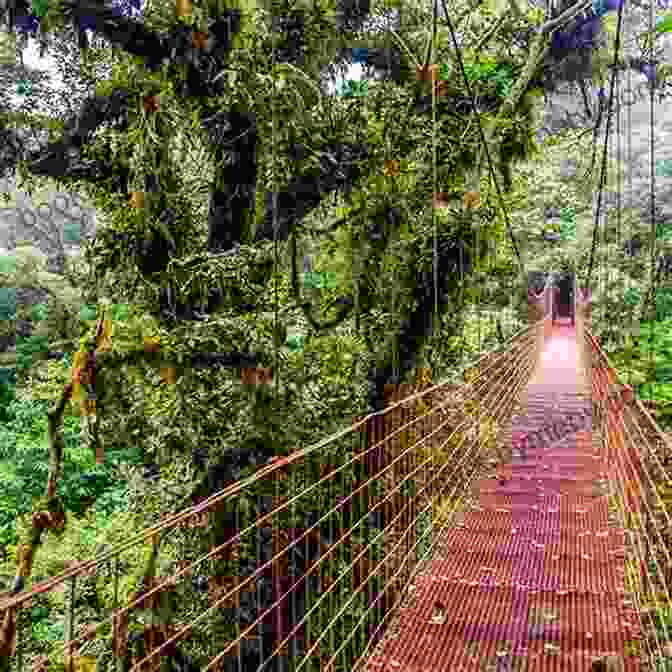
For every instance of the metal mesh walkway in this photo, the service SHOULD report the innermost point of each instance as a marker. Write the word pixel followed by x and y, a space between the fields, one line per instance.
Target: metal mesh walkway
pixel 532 577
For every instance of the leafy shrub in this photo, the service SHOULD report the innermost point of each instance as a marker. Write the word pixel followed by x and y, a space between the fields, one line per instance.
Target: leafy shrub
pixel 40 312
pixel 24 458
pixel 647 365
pixel 26 347
pixel 632 296
pixel 7 393
pixel 83 538
pixel 664 303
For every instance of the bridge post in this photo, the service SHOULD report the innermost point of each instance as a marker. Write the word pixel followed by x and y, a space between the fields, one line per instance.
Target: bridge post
pixel 538 302
pixel 583 312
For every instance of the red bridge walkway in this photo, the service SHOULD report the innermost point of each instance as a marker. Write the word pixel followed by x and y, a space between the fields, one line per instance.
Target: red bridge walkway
pixel 532 578
pixel 532 574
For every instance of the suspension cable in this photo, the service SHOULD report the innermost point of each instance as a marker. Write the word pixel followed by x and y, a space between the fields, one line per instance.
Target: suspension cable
pixel 628 418
pixel 630 196
pixel 652 273
pixel 617 46
pixel 606 271
pixel 434 84
pixel 619 178
pixel 276 373
pixel 472 100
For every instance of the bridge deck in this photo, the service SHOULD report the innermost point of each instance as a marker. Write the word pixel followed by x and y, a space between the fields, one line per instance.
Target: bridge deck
pixel 533 579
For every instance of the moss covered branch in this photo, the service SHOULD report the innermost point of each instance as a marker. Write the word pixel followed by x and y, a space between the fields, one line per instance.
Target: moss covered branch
pixel 305 306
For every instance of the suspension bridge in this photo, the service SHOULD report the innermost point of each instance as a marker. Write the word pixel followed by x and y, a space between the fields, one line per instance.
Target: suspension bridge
pixel 516 521
pixel 509 523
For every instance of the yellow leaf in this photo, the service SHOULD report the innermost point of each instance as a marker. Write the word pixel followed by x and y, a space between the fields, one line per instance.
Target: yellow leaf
pixel 105 339
pixel 79 663
pixel 472 200
pixel 151 344
pixel 137 199
pixel 78 393
pixel 183 8
pixel 392 168
pixel 168 374
pixel 79 359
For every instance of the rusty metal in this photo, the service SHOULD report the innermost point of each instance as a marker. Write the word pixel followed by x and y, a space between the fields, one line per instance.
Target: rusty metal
pixel 421 456
pixel 625 416
pixel 489 601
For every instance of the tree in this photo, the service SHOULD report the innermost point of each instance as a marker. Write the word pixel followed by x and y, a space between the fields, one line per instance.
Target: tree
pixel 272 159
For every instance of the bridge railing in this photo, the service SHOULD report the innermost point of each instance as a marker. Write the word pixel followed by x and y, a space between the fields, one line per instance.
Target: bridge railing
pixel 299 565
pixel 639 491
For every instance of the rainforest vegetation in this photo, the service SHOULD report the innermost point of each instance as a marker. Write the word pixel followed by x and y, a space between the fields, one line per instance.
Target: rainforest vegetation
pixel 270 252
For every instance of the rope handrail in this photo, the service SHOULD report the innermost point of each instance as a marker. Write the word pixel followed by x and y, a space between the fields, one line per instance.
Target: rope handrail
pixel 624 421
pixel 276 466
pixel 391 459
pixel 602 355
pixel 347 535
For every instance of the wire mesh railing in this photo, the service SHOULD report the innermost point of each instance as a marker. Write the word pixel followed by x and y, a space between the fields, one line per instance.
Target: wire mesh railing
pixel 639 456
pixel 301 565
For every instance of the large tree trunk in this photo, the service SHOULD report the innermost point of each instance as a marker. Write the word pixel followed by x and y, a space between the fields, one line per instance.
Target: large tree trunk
pixel 232 201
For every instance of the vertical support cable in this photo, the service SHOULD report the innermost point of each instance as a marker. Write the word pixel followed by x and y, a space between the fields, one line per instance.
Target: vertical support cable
pixel 435 321
pixel 70 620
pixel 434 81
pixel 476 268
pixel 606 140
pixel 275 549
pixel 619 180
pixel 19 639
pixel 608 271
pixel 119 659
pixel 276 371
pixel 630 196
pixel 653 185
pixel 356 268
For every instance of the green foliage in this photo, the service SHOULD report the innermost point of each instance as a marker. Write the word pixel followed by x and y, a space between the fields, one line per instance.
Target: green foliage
pixel 88 312
pixel 632 296
pixel 47 632
pixel 352 88
pixel 501 74
pixel 26 347
pixel 7 393
pixel 664 230
pixel 40 312
pixel 295 343
pixel 7 264
pixel 664 303
pixel 568 230
pixel 119 312
pixel 7 303
pixel 475 71
pixel 647 365
pixel 664 24
pixel 23 460
pixel 316 280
